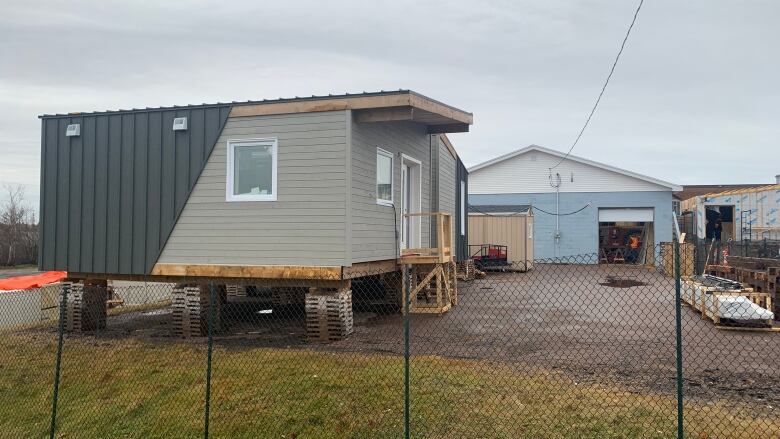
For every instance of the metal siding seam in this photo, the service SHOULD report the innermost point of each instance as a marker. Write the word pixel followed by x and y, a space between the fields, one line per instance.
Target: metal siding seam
pixel 223 122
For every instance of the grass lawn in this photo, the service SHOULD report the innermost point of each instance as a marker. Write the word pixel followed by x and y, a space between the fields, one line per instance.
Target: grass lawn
pixel 130 389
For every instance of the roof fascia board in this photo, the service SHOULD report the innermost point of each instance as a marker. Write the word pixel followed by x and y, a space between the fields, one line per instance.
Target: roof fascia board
pixel 405 99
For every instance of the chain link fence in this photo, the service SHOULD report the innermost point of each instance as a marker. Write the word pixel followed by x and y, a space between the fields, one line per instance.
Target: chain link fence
pixel 583 346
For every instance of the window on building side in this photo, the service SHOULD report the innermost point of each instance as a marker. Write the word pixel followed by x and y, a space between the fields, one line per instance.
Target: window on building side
pixel 384 177
pixel 251 173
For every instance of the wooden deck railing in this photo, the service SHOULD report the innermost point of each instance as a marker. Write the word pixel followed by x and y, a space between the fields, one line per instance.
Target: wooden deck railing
pixel 442 253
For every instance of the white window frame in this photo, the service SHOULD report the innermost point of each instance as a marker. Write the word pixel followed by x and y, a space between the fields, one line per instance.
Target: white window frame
pixel 383 152
pixel 231 146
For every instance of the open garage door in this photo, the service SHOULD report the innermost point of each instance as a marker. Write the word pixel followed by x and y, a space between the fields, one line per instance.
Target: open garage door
pixel 626 235
pixel 628 215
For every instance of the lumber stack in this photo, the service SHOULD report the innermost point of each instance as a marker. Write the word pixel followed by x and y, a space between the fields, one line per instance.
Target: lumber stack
pixel 328 314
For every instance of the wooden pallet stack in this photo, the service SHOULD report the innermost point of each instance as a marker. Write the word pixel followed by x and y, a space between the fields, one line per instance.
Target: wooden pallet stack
pixel 760 274
pixel 235 290
pixel 190 305
pixel 329 314
pixel 85 306
pixel 284 296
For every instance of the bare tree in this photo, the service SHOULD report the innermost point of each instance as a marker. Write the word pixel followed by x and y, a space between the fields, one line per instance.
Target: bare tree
pixel 18 228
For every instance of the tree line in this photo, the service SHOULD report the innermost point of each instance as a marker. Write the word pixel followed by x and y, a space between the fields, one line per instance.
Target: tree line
pixel 18 229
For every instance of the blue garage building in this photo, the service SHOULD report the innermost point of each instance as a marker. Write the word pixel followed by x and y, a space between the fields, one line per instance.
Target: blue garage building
pixel 583 209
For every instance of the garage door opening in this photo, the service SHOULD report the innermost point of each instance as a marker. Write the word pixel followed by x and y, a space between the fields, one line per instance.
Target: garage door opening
pixel 626 236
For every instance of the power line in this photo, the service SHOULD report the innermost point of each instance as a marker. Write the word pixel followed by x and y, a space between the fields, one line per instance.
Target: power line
pixel 611 71
pixel 562 214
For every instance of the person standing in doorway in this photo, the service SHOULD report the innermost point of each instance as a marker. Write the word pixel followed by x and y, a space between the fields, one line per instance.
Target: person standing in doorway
pixel 717 231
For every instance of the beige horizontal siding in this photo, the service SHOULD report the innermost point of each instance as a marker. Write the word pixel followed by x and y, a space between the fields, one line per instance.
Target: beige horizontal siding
pixel 304 226
pixel 372 229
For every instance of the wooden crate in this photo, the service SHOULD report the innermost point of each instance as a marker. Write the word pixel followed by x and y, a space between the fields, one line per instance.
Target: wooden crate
pixel 328 314
pixel 710 311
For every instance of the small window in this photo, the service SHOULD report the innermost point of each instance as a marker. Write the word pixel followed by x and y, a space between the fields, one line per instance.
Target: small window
pixel 462 208
pixel 384 177
pixel 251 170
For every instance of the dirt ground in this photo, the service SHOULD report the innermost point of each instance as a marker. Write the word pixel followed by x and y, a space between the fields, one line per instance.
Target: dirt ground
pixel 596 324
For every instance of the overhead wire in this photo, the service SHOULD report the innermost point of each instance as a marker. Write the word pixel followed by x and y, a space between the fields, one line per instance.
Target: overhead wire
pixel 603 88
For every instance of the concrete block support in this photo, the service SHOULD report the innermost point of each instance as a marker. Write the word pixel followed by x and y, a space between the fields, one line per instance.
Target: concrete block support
pixel 85 306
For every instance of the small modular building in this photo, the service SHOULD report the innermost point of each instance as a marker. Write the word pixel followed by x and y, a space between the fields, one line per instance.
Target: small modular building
pixel 510 227
pixel 745 214
pixel 323 187
pixel 582 209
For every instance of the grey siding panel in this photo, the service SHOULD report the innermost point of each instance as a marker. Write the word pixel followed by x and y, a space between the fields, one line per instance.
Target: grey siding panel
pixel 154 188
pixel 304 226
pixel 373 227
pixel 100 236
pixel 48 199
pixel 75 191
pixel 87 232
pixel 140 182
pixel 62 188
pixel 461 240
pixel 126 177
pixel 114 193
pixel 110 197
pixel 446 182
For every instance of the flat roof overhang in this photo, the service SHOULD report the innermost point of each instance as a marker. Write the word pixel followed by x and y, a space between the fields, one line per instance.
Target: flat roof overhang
pixel 371 108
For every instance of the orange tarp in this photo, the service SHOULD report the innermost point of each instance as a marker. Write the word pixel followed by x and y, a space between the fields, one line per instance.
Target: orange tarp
pixel 33 281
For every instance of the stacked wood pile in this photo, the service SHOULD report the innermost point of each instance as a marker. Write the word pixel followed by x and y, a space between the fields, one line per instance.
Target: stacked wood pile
pixel 760 274
pixel 467 270
pixel 329 314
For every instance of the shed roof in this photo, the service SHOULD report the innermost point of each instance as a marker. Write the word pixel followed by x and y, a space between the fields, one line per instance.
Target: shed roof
pixel 574 158
pixel 499 208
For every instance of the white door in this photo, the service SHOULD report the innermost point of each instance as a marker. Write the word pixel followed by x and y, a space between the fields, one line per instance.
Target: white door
pixel 410 202
pixel 406 189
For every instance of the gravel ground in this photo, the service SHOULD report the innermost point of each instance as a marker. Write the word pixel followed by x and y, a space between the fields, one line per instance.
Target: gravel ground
pixel 569 318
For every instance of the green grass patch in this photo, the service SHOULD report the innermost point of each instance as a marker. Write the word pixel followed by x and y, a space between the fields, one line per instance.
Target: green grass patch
pixel 131 389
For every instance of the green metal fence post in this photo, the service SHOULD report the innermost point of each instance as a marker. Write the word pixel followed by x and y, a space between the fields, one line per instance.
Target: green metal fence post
pixel 58 363
pixel 407 304
pixel 678 333
pixel 208 361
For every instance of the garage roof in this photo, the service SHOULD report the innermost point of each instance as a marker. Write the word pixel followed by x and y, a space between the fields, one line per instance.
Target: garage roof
pixel 574 158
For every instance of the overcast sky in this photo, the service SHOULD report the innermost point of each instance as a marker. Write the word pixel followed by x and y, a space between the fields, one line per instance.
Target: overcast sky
pixel 695 98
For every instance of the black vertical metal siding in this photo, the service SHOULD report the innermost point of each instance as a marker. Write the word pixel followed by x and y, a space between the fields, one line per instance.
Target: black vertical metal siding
pixel 461 241
pixel 111 196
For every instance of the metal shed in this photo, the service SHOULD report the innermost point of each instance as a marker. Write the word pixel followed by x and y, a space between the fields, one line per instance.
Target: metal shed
pixel 510 225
